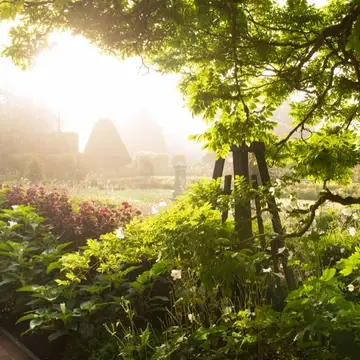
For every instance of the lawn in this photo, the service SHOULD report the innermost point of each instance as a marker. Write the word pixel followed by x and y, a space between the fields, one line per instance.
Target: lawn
pixel 141 198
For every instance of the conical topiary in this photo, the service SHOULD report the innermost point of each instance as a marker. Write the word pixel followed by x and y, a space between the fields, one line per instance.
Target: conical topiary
pixel 105 150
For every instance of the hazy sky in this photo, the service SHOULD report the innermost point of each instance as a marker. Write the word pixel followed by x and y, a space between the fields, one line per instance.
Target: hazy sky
pixel 74 78
pixel 79 82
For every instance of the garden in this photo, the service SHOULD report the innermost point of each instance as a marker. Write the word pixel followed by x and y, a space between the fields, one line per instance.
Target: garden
pixel 236 267
pixel 95 281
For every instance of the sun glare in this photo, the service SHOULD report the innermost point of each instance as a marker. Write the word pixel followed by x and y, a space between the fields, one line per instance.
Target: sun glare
pixel 81 84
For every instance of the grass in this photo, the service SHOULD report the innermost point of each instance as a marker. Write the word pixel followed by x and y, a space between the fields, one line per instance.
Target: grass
pixel 143 199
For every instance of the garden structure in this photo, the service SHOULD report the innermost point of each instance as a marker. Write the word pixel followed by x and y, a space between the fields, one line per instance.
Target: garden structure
pixel 243 216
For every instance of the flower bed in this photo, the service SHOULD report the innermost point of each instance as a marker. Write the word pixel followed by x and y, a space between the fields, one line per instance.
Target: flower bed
pixel 87 219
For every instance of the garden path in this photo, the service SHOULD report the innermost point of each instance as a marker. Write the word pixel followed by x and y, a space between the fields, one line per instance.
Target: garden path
pixel 10 351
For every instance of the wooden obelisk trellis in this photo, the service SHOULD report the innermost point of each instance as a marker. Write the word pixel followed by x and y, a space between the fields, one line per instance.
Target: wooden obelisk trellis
pixel 243 216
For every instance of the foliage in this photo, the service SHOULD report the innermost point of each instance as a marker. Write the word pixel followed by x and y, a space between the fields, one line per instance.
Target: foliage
pixel 66 166
pixel 99 347
pixel 175 285
pixel 194 293
pixel 238 62
pixel 325 156
pixel 150 163
pixel 26 249
pixel 90 220
pixel 145 163
pixel 35 172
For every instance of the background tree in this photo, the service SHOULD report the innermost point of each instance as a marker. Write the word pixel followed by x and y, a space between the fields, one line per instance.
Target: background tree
pixel 35 171
pixel 105 149
pixel 149 139
pixel 20 113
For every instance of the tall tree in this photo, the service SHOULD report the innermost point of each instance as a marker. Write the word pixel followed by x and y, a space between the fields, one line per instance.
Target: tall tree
pixel 141 133
pixel 18 113
pixel 239 61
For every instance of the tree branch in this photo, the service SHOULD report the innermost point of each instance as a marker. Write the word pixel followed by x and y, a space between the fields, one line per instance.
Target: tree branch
pixel 318 103
pixel 326 195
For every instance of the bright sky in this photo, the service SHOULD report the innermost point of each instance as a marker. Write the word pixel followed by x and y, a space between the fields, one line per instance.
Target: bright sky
pixel 80 83
pixel 74 78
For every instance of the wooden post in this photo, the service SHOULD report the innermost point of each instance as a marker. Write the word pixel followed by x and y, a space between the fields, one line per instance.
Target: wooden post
pixel 227 191
pixel 242 209
pixel 278 242
pixel 218 168
pixel 260 221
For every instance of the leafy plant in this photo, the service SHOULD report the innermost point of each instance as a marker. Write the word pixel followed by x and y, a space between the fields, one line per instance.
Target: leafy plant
pixel 89 221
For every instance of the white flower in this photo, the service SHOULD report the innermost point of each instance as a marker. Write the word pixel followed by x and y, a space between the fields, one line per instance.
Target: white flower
pixel 14 207
pixel 278 181
pixel 159 256
pixel 351 287
pixel 154 210
pixel 268 270
pixel 355 216
pixel 291 254
pixel 228 310
pixel 317 212
pixel 191 317
pixel 272 190
pixel 12 223
pixel 342 250
pixel 176 274
pixel 63 308
pixel 162 204
pixel 352 231
pixel 346 212
pixel 281 250
pixel 120 233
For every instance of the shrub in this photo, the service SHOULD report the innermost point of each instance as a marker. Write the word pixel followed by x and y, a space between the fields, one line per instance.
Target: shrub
pixel 145 163
pixel 90 221
pixel 53 205
pixel 105 148
pixel 161 163
pixel 93 219
pixel 35 171
pixel 26 249
pixel 178 285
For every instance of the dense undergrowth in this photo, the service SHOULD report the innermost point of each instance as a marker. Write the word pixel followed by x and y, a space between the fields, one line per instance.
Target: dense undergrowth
pixel 176 285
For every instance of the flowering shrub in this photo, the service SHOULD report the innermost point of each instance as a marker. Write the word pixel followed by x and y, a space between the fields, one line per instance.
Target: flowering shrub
pixel 93 219
pixel 53 205
pixel 90 221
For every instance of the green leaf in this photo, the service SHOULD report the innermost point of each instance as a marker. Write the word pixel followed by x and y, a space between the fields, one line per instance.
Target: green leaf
pixel 27 317
pixel 35 323
pixel 57 334
pixel 29 288
pixel 328 274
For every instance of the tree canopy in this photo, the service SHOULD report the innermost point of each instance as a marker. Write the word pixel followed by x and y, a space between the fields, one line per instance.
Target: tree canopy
pixel 239 61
